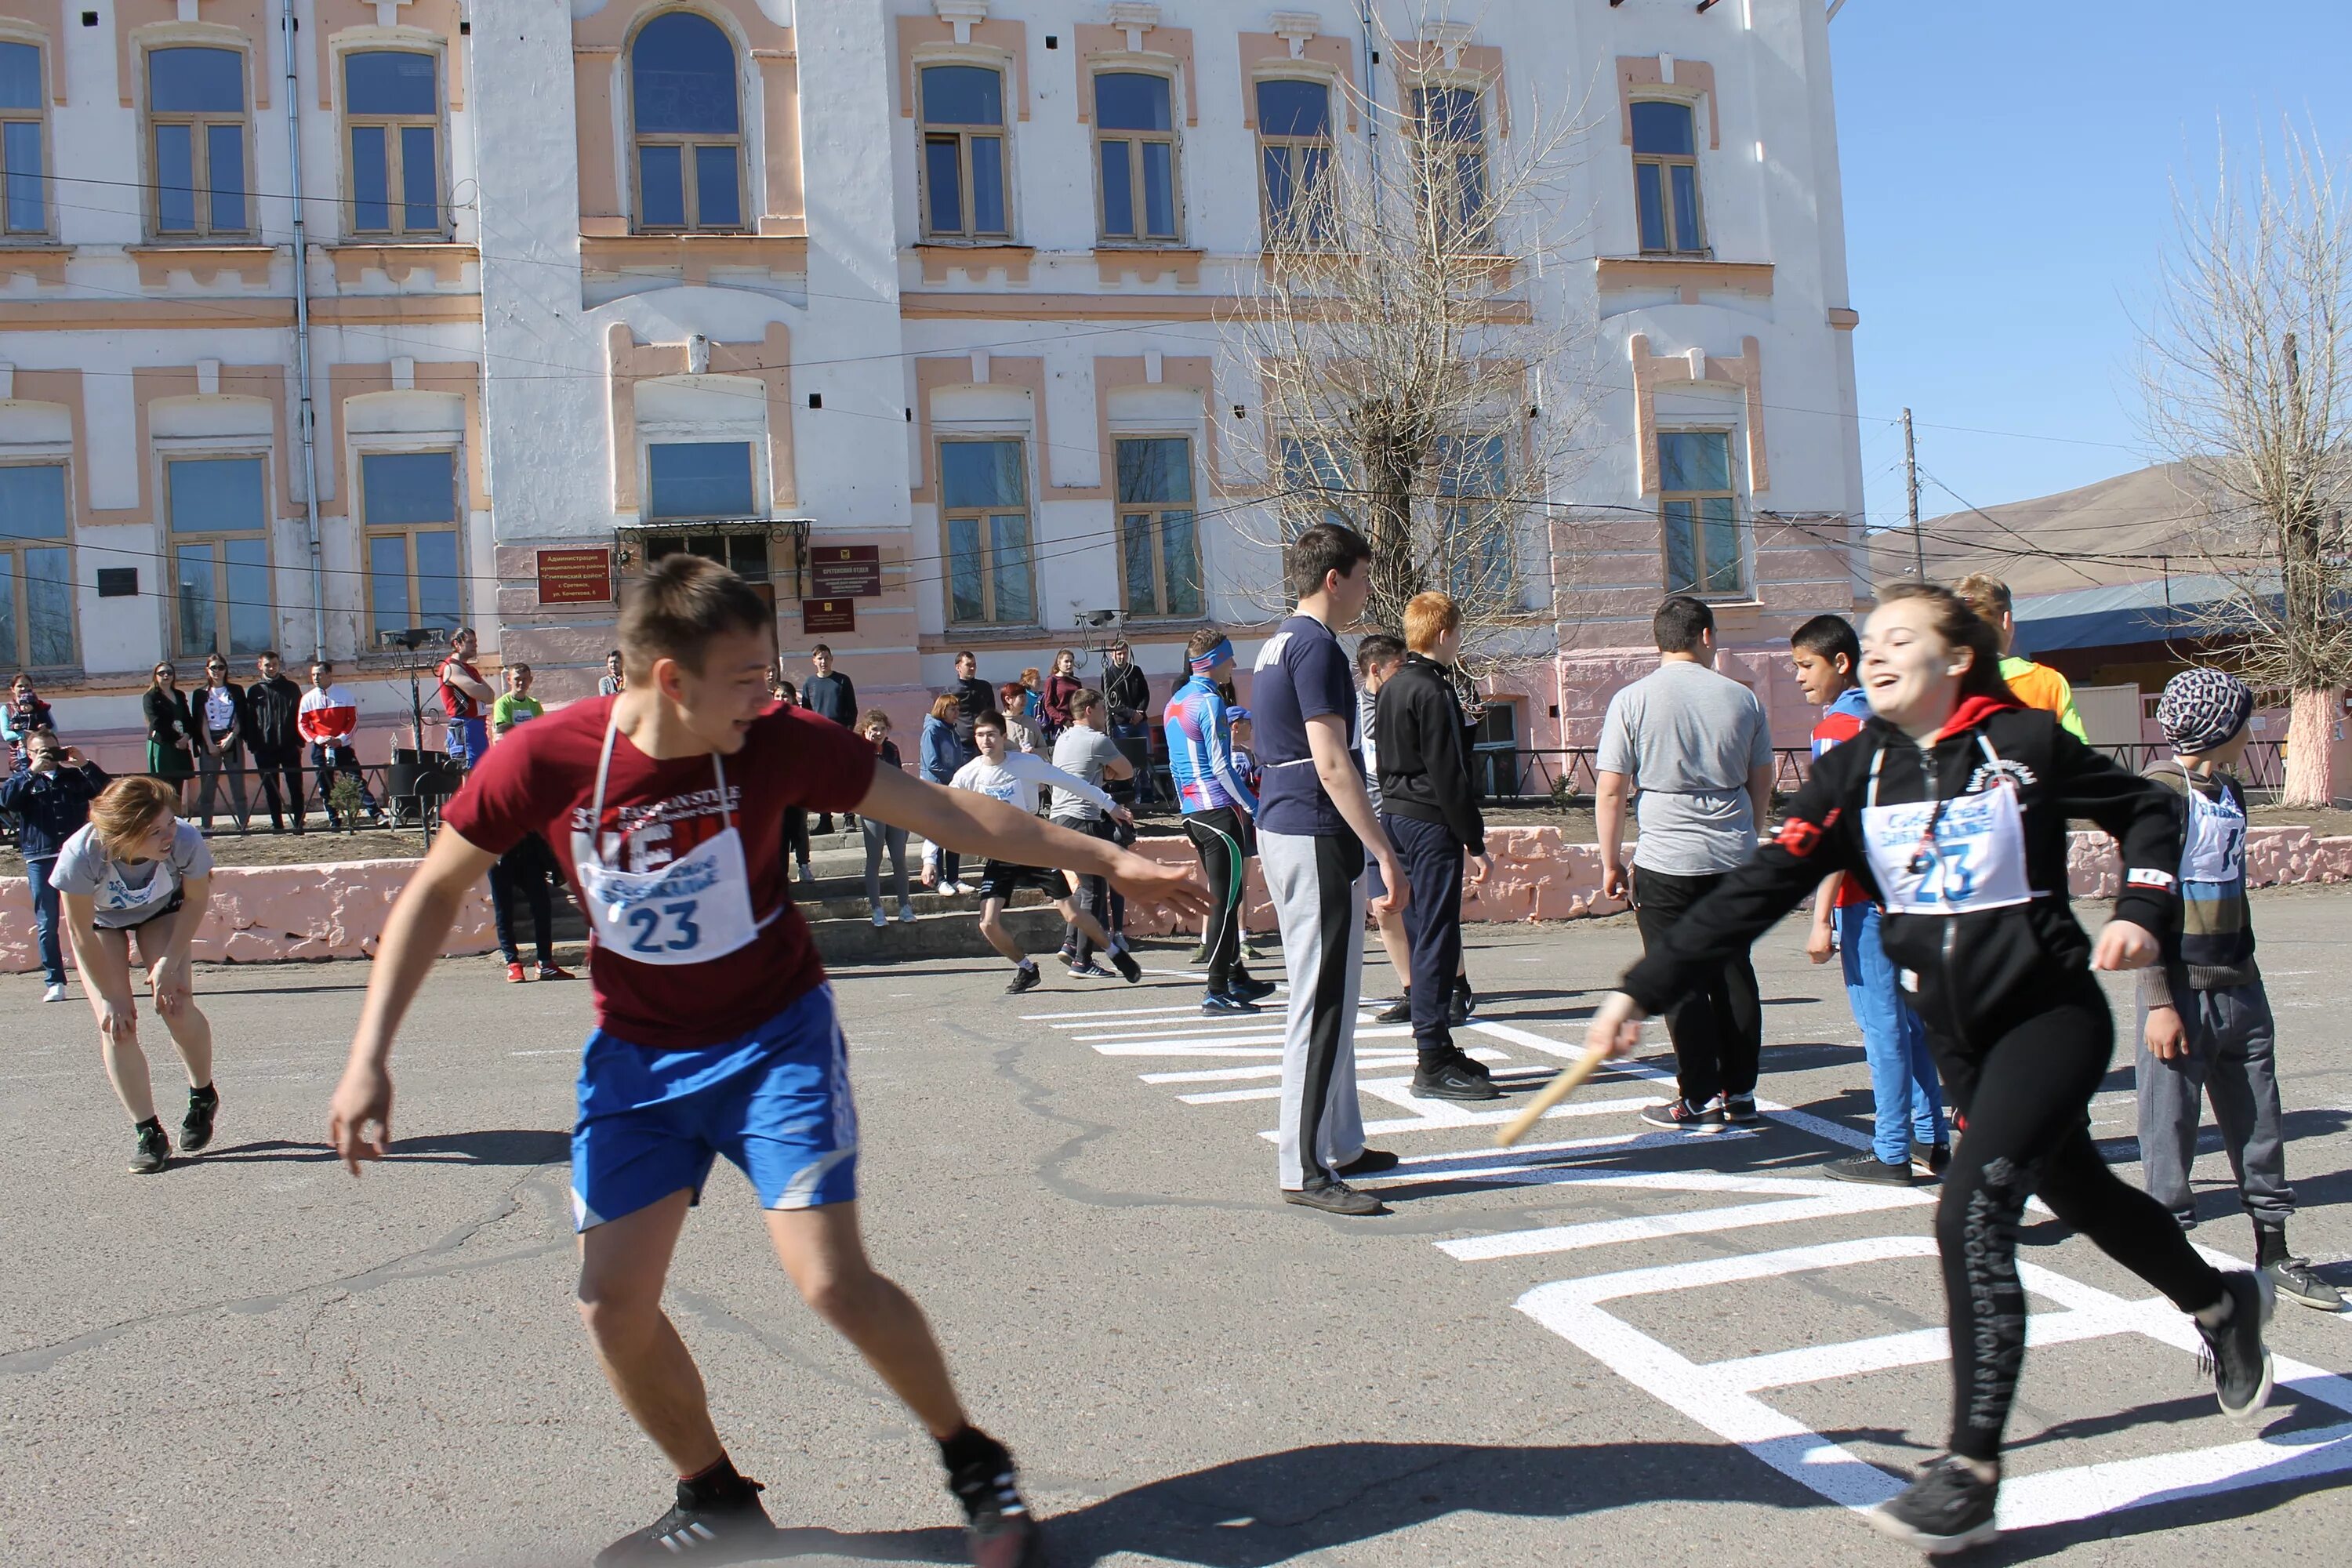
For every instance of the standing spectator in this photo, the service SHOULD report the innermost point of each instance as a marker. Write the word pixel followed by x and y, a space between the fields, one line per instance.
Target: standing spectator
pixel 529 867
pixel 330 714
pixel 274 705
pixel 1378 658
pixel 2206 1030
pixel 1430 814
pixel 1128 694
pixel 1906 1095
pixel 25 713
pixel 612 683
pixel 942 754
pixel 515 705
pixel 171 728
pixel 1315 827
pixel 464 695
pixel 1693 746
pixel 2034 685
pixel 974 698
pixel 1084 751
pixel 1218 805
pixel 1060 686
pixel 50 795
pixel 829 694
pixel 221 740
pixel 796 822
pixel 879 836
pixel 1020 722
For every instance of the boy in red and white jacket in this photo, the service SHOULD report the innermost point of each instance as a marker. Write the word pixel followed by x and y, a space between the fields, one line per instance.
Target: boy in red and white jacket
pixel 329 715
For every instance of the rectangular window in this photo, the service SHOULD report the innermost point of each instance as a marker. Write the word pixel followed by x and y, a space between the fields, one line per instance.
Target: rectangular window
pixel 36 613
pixel 24 200
pixel 1311 466
pixel 1159 553
pixel 1293 138
pixel 984 508
pixel 195 111
pixel 218 511
pixel 1476 520
pixel 699 478
pixel 1696 508
pixel 408 508
pixel 964 196
pixel 1665 179
pixel 1135 148
pixel 1450 159
pixel 391 109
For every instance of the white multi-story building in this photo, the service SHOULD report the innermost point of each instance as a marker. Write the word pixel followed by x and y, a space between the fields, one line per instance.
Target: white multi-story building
pixel 807 287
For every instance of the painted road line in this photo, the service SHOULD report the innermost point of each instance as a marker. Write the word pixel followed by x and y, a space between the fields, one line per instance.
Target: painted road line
pixel 1234 1074
pixel 1112 1046
pixel 1526 1172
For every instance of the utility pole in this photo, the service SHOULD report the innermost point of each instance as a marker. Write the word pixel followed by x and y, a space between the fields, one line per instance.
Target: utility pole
pixel 1911 488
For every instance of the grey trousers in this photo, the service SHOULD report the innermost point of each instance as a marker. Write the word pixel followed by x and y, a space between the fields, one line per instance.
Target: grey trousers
pixel 2230 1060
pixel 1316 886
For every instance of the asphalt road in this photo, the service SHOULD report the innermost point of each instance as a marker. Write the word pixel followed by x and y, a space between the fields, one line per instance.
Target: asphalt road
pixel 254 1359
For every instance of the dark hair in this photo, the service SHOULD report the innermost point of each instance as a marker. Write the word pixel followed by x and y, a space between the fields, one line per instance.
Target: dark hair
pixel 1377 648
pixel 680 605
pixel 612 653
pixel 1084 702
pixel 989 719
pixel 821 648
pixel 327 665
pixel 1830 638
pixel 268 653
pixel 1960 626
pixel 1202 641
pixel 520 667
pixel 460 635
pixel 965 653
pixel 1326 548
pixel 871 717
pixel 1679 623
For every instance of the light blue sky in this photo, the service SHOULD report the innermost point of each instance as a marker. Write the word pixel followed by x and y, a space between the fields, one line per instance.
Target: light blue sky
pixel 2007 187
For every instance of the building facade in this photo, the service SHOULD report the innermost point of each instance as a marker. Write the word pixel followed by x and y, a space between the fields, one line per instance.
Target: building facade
pixel 915 311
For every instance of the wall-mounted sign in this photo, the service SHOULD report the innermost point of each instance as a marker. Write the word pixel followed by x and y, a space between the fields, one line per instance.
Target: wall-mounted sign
pixel 118 582
pixel 847 571
pixel 828 615
pixel 575 576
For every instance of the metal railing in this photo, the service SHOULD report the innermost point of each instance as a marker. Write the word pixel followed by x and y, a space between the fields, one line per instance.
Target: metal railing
pixel 377 776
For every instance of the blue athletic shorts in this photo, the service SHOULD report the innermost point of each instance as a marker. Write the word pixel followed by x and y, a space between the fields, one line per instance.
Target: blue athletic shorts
pixel 775 1102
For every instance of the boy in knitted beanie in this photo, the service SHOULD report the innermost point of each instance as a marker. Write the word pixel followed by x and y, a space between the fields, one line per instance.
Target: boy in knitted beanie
pixel 2205 1019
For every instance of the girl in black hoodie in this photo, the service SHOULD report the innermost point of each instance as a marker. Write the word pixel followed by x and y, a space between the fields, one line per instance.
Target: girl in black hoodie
pixel 1952 808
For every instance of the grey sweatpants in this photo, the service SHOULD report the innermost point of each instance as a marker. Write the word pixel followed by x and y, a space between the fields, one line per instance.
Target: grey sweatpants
pixel 1316 886
pixel 2230 1059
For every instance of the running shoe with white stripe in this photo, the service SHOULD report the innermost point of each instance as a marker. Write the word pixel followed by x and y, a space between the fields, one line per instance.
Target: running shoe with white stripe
pixel 695 1528
pixel 1000 1532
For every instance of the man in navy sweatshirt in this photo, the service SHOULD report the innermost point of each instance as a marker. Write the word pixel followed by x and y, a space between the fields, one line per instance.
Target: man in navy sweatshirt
pixel 50 793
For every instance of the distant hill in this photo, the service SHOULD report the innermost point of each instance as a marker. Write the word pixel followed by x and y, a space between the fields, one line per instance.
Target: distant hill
pixel 2146 514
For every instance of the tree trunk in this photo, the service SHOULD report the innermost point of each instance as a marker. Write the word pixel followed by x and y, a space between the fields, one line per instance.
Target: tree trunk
pixel 2310 770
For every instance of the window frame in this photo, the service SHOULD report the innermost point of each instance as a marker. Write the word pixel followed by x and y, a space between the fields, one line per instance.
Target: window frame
pixel 1142 238
pixel 1666 163
pixel 981 515
pixel 1475 229
pixel 370 532
pixel 20 580
pixel 395 149
pixel 38 118
pixel 687 141
pixel 754 444
pixel 1153 516
pixel 1730 493
pixel 1456 507
pixel 174 540
pixel 1294 149
pixel 200 124
pixel 926 132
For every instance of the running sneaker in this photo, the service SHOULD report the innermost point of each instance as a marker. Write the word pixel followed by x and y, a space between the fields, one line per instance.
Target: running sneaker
pixel 55 993
pixel 1024 978
pixel 554 972
pixel 998 1530
pixel 880 920
pixel 1947 1508
pixel 1471 1064
pixel 718 1531
pixel 1736 1108
pixel 1370 1163
pixel 1461 1002
pixel 196 1127
pixel 155 1148
pixel 808 877
pixel 1086 971
pixel 1334 1197
pixel 1217 1002
pixel 1250 951
pixel 1867 1167
pixel 1129 970
pixel 2293 1279
pixel 953 890
pixel 906 912
pixel 2240 1362
pixel 1452 1080
pixel 1930 1159
pixel 1397 1012
pixel 1250 990
pixel 515 976
pixel 1682 1116
pixel 1200 957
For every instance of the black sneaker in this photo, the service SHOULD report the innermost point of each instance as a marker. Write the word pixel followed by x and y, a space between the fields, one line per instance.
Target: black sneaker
pixel 1947 1508
pixel 1472 1065
pixel 1218 1004
pixel 196 1127
pixel 1930 1159
pixel 998 1530
pixel 2293 1279
pixel 1397 1012
pixel 1129 970
pixel 1024 978
pixel 1086 971
pixel 1682 1116
pixel 1452 1080
pixel 1869 1168
pixel 1462 1003
pixel 1250 990
pixel 1737 1108
pixel 2241 1363
pixel 1334 1197
pixel 1370 1163
pixel 1200 957
pixel 154 1150
pixel 714 1529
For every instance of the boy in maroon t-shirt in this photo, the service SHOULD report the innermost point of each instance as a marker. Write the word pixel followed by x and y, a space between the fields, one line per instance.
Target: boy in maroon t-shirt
pixel 715 1028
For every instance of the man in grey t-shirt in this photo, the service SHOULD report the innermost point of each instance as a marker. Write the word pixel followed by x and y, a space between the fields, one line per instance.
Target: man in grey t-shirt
pixel 1085 751
pixel 1695 749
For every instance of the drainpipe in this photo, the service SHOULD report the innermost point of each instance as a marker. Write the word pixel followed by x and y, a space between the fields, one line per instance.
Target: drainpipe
pixel 306 413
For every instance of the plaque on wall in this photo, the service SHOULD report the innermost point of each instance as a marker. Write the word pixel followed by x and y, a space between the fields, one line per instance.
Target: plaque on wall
pixel 847 571
pixel 828 615
pixel 575 576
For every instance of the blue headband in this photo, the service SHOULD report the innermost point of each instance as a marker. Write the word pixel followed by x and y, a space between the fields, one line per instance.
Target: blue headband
pixel 1204 662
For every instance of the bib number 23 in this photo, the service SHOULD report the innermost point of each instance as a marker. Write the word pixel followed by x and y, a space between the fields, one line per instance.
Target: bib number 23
pixel 669 928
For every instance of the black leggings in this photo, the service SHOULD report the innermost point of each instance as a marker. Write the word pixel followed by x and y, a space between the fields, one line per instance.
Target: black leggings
pixel 2027 1099
pixel 1218 837
pixel 524 869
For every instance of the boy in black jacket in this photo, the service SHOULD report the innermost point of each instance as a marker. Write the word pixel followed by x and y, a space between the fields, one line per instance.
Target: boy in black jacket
pixel 1431 817
pixel 50 793
pixel 273 705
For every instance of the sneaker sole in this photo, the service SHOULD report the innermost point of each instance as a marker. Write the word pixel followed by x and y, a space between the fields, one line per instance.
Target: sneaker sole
pixel 1306 1202
pixel 1490 1092
pixel 1835 1174
pixel 2316 1303
pixel 1700 1129
pixel 1886 1524
pixel 1013 1545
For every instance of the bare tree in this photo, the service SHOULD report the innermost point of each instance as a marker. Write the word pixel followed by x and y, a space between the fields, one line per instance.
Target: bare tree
pixel 2250 384
pixel 1407 385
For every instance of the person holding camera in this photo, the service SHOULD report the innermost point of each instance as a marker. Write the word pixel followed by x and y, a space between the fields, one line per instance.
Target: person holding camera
pixel 50 795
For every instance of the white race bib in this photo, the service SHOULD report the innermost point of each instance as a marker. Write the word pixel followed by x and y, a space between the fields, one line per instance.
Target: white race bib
pixel 2215 848
pixel 1950 856
pixel 696 909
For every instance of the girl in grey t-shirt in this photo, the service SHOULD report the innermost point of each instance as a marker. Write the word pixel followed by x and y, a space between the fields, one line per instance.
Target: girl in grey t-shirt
pixel 138 872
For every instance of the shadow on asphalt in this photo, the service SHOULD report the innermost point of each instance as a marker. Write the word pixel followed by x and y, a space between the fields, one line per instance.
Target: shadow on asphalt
pixel 501 1146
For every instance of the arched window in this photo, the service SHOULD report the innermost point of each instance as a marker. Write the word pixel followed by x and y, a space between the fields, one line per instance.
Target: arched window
pixel 964 153
pixel 1294 136
pixel 391 110
pixel 23 205
pixel 1135 142
pixel 1665 179
pixel 687 116
pixel 196 111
